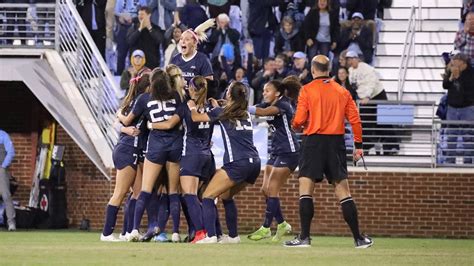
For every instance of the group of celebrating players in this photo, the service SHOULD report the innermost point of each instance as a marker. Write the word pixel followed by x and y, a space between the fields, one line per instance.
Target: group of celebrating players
pixel 164 152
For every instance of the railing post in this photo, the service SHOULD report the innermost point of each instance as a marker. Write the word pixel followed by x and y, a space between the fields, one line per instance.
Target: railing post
pixel 57 14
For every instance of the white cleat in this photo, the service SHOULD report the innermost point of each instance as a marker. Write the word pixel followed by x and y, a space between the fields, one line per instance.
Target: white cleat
pixel 134 236
pixel 109 238
pixel 208 240
pixel 175 238
pixel 123 238
pixel 225 239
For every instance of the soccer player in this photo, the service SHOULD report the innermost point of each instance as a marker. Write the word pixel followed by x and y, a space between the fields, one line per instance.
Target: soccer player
pixel 323 106
pixel 284 156
pixel 163 149
pixel 196 160
pixel 241 161
pixel 190 60
pixel 125 154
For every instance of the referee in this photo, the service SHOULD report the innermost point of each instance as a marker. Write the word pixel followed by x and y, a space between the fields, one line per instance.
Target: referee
pixel 323 105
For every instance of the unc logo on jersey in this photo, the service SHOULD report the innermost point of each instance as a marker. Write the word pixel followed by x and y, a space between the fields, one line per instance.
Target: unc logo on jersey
pixel 161 106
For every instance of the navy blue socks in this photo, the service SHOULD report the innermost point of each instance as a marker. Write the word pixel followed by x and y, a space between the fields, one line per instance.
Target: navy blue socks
pixel 110 220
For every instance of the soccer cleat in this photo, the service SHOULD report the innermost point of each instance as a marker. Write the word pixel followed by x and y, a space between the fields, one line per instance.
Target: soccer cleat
pixel 134 236
pixel 260 234
pixel 208 240
pixel 109 238
pixel 225 239
pixel 298 243
pixel 365 242
pixel 175 238
pixel 163 238
pixel 123 238
pixel 282 229
pixel 12 227
pixel 200 235
pixel 149 235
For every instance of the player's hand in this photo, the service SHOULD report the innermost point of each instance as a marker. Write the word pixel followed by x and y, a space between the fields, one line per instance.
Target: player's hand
pixel 213 102
pixel 149 125
pixel 131 131
pixel 191 104
pixel 358 153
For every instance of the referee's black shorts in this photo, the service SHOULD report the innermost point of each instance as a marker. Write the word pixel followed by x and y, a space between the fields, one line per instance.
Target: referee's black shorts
pixel 323 156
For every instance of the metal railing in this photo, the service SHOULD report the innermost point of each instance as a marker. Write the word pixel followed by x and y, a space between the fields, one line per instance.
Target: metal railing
pixel 454 143
pixel 27 25
pixel 87 67
pixel 408 51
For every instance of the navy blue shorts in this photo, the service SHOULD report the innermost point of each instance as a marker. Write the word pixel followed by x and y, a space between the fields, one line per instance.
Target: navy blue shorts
pixel 161 157
pixel 289 160
pixel 125 155
pixel 245 170
pixel 198 165
pixel 141 156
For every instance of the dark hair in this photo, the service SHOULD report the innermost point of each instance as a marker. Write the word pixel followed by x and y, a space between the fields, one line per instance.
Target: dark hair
pixel 283 57
pixel 145 8
pixel 292 85
pixel 461 57
pixel 237 110
pixel 323 67
pixel 137 87
pixel 160 85
pixel 199 83
pixel 278 85
pixel 268 59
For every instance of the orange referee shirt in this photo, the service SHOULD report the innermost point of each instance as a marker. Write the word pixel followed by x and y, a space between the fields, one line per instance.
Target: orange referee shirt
pixel 322 107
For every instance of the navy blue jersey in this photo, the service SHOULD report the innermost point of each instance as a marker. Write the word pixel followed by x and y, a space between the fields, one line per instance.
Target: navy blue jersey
pixel 199 65
pixel 283 137
pixel 237 137
pixel 137 121
pixel 197 135
pixel 158 111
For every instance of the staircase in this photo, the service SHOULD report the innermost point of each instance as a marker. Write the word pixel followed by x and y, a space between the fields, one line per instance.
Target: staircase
pixel 434 35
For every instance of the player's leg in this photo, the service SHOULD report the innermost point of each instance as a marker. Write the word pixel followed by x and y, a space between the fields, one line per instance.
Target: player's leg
pixel 349 211
pixel 278 178
pixel 163 211
pixel 231 213
pixel 136 188
pixel 264 230
pixel 220 183
pixel 175 204
pixel 124 180
pixel 189 185
pixel 150 174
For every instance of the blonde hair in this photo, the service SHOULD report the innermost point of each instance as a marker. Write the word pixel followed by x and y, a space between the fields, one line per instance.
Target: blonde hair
pixel 199 33
pixel 173 79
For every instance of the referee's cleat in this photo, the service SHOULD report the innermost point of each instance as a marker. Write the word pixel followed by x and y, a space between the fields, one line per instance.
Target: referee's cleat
pixel 109 238
pixel 261 233
pixel 298 242
pixel 365 242
pixel 134 236
pixel 282 229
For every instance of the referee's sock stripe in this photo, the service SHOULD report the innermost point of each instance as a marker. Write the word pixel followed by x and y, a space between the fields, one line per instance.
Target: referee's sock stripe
pixel 345 200
pixel 306 197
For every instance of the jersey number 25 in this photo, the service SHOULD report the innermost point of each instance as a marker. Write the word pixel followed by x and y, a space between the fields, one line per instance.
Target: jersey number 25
pixel 161 106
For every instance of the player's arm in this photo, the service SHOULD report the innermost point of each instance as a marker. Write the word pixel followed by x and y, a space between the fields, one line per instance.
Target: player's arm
pixel 126 120
pixel 195 115
pixel 264 111
pixel 165 125
pixel 301 115
pixel 352 115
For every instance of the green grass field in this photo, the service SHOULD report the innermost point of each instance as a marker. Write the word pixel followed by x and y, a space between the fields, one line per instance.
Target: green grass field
pixel 80 248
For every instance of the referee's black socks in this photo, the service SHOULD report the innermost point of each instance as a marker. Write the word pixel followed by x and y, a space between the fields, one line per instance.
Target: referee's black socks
pixel 349 211
pixel 306 214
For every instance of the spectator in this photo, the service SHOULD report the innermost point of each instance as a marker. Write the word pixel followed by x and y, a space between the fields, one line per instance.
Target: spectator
pixel 192 14
pixel 281 66
pixel 217 7
pixel 366 83
pixel 125 12
pixel 162 12
pixel 289 39
pixel 221 35
pixel 109 23
pixel 358 38
pixel 7 152
pixel 146 36
pixel 263 76
pixel 293 9
pixel 172 36
pixel 137 61
pixel 321 27
pixel 300 68
pixel 464 41
pixel 342 78
pixel 368 8
pixel 92 13
pixel 261 25
pixel 459 82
